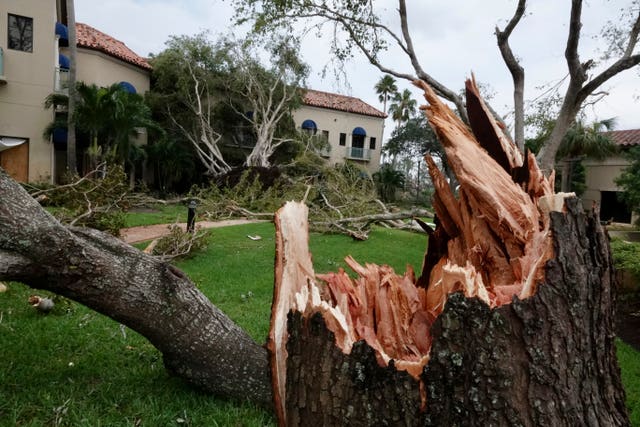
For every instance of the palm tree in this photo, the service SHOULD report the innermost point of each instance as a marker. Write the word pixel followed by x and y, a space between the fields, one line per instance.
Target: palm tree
pixel 584 141
pixel 388 180
pixel 403 106
pixel 110 116
pixel 386 88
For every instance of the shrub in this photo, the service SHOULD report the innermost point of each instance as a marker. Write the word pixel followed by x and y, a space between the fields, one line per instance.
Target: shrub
pixel 626 257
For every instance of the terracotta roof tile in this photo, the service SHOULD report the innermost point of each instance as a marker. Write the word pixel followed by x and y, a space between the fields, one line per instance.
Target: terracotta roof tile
pixel 316 98
pixel 90 38
pixel 625 138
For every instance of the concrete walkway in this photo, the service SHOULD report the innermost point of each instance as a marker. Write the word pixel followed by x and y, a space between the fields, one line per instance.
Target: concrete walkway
pixel 150 232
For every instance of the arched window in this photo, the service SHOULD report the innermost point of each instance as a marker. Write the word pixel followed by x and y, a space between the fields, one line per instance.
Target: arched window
pixel 128 87
pixel 310 127
pixel 359 131
pixel 63 34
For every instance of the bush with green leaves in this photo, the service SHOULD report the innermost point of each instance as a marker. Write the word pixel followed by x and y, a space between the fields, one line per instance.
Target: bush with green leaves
pixel 629 180
pixel 626 256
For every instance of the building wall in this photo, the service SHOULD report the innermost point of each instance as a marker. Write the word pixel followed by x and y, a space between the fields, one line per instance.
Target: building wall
pixel 600 176
pixel 97 68
pixel 336 122
pixel 31 76
pixel 104 70
pixel 29 79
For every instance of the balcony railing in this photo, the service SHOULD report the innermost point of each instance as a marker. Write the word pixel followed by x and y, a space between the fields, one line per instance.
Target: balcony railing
pixel 358 153
pixel 61 83
pixel 324 151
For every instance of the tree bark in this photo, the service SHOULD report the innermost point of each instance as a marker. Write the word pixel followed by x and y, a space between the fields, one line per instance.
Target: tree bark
pixel 511 323
pixel 545 360
pixel 199 343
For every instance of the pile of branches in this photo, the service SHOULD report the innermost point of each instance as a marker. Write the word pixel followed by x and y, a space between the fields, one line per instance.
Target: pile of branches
pixel 178 243
pixel 98 200
pixel 341 199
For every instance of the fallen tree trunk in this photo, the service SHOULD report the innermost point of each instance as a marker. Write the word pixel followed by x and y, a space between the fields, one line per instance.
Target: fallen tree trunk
pixel 510 323
pixel 198 342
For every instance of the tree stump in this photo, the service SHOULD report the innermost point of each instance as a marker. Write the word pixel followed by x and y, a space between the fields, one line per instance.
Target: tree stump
pixel 510 323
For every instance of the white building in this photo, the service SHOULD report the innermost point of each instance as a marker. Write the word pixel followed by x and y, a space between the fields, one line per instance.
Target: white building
pixel 352 127
pixel 33 65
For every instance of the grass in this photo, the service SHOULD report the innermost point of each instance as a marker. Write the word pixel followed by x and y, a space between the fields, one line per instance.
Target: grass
pixel 237 272
pixel 75 367
pixel 629 360
pixel 157 214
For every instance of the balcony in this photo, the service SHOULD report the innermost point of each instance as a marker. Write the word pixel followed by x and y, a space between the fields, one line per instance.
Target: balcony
pixel 358 153
pixel 323 151
pixel 61 80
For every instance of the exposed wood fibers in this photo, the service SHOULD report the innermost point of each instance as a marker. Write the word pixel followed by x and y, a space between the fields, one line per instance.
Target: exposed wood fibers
pixel 496 237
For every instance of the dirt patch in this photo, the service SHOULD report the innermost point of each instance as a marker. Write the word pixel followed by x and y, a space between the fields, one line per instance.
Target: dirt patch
pixel 150 232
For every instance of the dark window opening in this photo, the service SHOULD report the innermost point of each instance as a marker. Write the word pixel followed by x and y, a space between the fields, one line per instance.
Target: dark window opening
pixel 372 143
pixel 343 139
pixel 357 141
pixel 325 135
pixel 613 209
pixel 20 33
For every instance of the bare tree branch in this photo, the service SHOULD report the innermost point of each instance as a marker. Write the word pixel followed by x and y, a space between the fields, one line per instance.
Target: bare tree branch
pixel 517 72
pixel 203 138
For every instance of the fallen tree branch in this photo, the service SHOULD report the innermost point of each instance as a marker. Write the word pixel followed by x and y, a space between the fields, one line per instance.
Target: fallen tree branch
pixel 378 217
pixel 198 342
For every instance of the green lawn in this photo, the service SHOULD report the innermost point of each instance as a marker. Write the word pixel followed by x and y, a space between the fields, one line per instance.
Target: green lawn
pixel 156 214
pixel 75 367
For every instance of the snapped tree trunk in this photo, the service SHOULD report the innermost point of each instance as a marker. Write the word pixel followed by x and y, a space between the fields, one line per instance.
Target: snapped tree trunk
pixel 510 323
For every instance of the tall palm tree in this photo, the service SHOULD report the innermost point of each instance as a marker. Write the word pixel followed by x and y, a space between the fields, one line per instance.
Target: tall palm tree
pixel 129 115
pixel 403 106
pixel 386 88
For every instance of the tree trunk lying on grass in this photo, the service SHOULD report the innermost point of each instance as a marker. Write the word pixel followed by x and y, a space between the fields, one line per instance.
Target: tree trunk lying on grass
pixel 525 338
pixel 198 341
pixel 511 322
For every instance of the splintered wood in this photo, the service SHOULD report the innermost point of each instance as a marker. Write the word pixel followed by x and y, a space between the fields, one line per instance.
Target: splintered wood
pixel 491 242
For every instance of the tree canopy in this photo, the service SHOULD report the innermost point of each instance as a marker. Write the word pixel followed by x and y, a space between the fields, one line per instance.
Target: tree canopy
pixel 365 24
pixel 219 98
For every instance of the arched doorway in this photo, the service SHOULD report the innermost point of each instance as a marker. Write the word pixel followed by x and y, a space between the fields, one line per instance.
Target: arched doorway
pixel 358 136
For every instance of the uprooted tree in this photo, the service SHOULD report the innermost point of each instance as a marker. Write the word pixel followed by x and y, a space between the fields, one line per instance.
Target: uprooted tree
pixel 509 323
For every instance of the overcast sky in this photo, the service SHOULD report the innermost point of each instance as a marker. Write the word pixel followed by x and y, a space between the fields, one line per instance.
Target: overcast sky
pixel 452 38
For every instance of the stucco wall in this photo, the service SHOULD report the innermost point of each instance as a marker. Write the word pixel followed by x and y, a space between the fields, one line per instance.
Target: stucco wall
pixel 336 122
pixel 600 176
pixel 30 78
pixel 103 70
